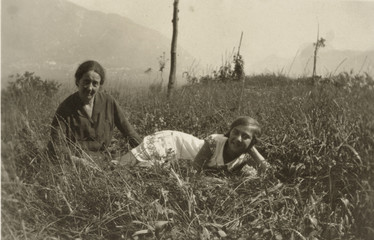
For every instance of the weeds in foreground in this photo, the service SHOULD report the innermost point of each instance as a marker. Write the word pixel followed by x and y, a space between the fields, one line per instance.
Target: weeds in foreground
pixel 318 139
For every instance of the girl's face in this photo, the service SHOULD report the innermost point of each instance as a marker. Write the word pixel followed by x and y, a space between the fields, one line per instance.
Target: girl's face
pixel 88 86
pixel 240 139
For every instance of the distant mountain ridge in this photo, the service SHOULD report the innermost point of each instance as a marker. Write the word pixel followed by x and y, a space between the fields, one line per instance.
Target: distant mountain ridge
pixel 329 61
pixel 53 36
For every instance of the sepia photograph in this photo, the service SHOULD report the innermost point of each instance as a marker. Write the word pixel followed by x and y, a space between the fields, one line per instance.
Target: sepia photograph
pixel 187 119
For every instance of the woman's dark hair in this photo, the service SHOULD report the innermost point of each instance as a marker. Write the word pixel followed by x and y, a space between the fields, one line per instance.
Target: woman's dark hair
pixel 88 66
pixel 247 121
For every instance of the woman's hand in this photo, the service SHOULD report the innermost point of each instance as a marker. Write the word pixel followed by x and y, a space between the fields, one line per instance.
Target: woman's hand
pixel 84 162
pixel 114 162
pixel 127 160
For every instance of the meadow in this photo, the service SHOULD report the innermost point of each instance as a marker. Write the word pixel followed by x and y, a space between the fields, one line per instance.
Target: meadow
pixel 318 138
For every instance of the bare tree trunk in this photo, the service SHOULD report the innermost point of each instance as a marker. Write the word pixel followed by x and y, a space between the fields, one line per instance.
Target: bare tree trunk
pixel 315 62
pixel 315 57
pixel 242 76
pixel 173 51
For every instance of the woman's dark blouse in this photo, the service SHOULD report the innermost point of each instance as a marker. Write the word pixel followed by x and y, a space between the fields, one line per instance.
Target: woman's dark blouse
pixel 95 133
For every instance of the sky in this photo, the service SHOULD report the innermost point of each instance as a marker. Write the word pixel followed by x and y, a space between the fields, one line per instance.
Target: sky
pixel 211 29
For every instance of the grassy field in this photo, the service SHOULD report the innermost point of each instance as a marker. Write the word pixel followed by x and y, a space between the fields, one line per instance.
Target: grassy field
pixel 319 139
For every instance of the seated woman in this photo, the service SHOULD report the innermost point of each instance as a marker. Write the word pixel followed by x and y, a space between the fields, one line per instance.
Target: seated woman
pixel 231 151
pixel 84 122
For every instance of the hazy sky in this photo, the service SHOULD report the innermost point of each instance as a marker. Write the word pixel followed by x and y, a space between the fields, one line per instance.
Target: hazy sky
pixel 210 29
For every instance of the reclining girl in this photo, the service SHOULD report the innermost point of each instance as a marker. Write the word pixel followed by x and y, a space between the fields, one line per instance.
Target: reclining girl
pixel 233 151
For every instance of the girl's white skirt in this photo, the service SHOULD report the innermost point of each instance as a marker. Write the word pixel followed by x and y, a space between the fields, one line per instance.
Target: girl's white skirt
pixel 167 145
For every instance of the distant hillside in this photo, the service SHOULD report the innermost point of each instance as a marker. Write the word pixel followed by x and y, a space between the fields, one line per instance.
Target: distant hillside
pixel 51 37
pixel 329 61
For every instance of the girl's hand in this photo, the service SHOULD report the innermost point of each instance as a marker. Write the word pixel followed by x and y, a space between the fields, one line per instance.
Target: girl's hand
pixel 249 171
pixel 264 166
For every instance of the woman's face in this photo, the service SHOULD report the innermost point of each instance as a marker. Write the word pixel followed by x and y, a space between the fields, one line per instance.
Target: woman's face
pixel 88 86
pixel 240 138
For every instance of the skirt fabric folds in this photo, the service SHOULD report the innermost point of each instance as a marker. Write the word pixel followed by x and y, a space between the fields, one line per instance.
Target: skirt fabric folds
pixel 167 145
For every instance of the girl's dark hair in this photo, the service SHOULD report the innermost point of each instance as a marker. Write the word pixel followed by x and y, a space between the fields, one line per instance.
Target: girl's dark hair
pixel 247 121
pixel 88 66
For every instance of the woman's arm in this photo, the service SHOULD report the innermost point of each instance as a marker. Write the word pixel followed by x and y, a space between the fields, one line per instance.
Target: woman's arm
pixel 124 126
pixel 202 157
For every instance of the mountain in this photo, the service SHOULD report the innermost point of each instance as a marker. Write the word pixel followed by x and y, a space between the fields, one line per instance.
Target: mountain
pixel 329 61
pixel 270 64
pixel 51 37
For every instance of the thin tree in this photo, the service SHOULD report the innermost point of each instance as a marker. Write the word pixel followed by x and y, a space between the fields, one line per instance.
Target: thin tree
pixel 162 62
pixel 238 73
pixel 173 51
pixel 318 44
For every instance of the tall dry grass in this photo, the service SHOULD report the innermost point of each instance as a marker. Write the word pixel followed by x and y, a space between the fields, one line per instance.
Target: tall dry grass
pixel 318 139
